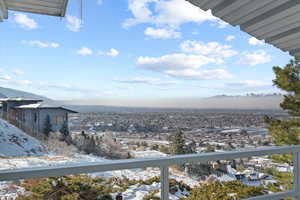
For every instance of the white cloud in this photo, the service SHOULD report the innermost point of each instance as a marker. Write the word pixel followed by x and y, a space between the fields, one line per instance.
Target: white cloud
pixel 18 72
pixel 37 43
pixel 230 38
pixel 145 80
pixel 112 52
pixel 73 23
pixel 162 33
pixel 255 42
pixel 249 84
pixel 192 74
pixel 170 13
pixel 184 66
pixel 84 51
pixel 255 58
pixel 177 61
pixel 210 48
pixel 25 22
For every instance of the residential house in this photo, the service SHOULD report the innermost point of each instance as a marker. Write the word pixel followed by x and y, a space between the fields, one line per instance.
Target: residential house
pixel 30 115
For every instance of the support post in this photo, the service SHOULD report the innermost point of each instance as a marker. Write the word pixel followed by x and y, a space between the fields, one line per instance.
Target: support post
pixel 3 10
pixel 296 163
pixel 164 182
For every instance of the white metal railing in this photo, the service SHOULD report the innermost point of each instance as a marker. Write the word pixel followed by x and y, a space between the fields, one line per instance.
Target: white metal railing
pixel 163 163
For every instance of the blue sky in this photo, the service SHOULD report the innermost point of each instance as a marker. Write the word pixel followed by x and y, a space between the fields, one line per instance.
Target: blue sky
pixel 133 49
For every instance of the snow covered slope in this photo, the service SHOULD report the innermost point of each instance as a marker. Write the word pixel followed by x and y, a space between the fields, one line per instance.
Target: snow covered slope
pixel 14 142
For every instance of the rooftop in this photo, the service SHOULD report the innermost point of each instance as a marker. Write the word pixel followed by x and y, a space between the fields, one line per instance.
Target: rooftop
pixel 42 105
pixel 44 7
pixel 276 22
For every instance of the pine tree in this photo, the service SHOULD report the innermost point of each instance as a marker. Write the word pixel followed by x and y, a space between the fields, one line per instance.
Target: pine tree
pixel 64 129
pixel 178 144
pixel 286 132
pixel 48 126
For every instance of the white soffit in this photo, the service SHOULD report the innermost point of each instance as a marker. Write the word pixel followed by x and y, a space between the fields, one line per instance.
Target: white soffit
pixel 275 21
pixel 44 7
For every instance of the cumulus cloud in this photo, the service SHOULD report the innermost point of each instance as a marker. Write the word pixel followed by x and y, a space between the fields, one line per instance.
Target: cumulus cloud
pixel 230 38
pixel 211 48
pixel 255 42
pixel 25 22
pixel 145 80
pixel 255 58
pixel 170 13
pixel 174 61
pixel 84 51
pixel 184 66
pixel 162 33
pixel 37 43
pixel 190 62
pixel 112 52
pixel 73 23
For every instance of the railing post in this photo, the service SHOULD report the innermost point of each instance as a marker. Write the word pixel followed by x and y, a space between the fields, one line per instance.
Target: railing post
pixel 164 182
pixel 296 160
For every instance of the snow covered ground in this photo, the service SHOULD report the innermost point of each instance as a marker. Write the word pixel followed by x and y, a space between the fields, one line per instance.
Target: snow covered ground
pixel 148 154
pixel 14 142
pixel 18 150
pixel 135 192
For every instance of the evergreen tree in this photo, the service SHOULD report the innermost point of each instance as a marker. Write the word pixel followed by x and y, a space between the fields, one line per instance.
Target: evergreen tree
pixel 178 144
pixel 64 129
pixel 286 132
pixel 48 126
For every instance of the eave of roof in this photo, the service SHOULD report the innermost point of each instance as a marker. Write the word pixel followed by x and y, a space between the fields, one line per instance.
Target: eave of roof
pixel 44 7
pixel 275 21
pixel 43 106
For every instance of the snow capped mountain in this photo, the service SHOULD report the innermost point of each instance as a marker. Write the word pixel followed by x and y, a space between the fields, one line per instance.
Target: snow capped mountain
pixel 14 142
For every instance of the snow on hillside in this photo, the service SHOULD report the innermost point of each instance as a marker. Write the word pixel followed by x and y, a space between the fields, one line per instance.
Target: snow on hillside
pixel 14 142
pixel 134 192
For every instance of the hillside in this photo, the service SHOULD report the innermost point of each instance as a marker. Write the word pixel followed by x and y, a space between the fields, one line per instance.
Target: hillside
pixel 7 92
pixel 14 142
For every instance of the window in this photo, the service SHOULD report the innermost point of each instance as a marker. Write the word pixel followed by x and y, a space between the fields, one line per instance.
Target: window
pixel 60 120
pixel 35 117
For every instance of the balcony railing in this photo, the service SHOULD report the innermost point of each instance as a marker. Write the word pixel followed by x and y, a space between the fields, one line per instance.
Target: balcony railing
pixel 163 163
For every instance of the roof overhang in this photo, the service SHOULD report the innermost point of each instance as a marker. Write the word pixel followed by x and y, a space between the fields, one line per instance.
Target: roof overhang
pixel 44 7
pixel 275 21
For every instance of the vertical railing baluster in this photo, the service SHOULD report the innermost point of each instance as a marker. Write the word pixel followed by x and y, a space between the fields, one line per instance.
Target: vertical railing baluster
pixel 296 160
pixel 164 182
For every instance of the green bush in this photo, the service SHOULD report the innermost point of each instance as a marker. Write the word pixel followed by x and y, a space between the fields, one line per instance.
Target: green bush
pixel 67 188
pixel 225 191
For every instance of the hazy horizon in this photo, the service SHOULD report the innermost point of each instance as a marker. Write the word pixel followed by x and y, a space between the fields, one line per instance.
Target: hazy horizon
pixel 219 102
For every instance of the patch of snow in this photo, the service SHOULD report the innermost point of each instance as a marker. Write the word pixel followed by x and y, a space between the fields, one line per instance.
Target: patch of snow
pixel 148 154
pixel 14 142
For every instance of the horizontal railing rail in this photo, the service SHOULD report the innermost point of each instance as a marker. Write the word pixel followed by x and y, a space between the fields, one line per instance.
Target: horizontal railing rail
pixel 163 163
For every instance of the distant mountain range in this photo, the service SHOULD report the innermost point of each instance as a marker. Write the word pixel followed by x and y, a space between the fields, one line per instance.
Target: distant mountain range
pixel 249 101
